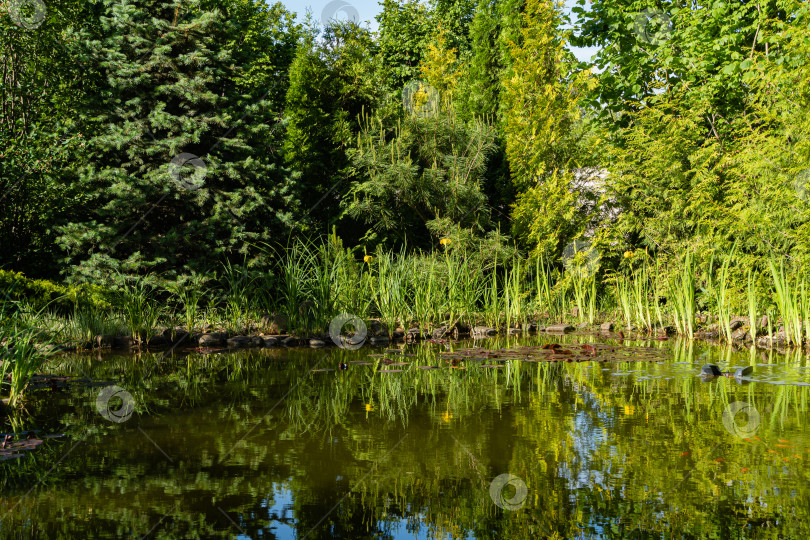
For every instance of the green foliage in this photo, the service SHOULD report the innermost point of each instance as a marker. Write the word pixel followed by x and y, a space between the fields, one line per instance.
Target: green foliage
pixel 39 146
pixel 180 79
pixel 42 294
pixel 404 30
pixel 423 169
pixel 332 81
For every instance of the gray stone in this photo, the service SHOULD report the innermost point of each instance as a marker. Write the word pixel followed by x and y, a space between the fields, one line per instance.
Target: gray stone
pixel 270 342
pixel 739 334
pixel 211 340
pixel 275 323
pixel 607 327
pixel 289 341
pixel 481 331
pixel 734 324
pixel 256 341
pixel 413 334
pixel 513 331
pixel 239 342
pixel 122 342
pixel 560 327
pixel 317 343
pixel 378 339
pixel 377 328
pixel 439 332
pixel 181 337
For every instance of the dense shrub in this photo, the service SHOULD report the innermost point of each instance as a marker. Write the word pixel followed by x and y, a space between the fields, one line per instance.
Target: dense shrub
pixel 43 294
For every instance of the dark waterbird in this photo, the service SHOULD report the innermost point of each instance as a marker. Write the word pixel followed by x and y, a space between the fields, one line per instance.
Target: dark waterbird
pixel 711 370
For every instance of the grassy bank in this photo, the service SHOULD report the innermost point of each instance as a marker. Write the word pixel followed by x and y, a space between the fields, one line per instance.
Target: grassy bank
pixel 304 287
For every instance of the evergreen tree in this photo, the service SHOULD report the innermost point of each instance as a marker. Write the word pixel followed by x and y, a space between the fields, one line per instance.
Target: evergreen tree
pixel 422 175
pixel 405 27
pixel 482 79
pixel 539 103
pixel 40 145
pixel 332 81
pixel 183 165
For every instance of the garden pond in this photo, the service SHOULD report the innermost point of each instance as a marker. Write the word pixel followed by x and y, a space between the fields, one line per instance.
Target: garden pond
pixel 499 438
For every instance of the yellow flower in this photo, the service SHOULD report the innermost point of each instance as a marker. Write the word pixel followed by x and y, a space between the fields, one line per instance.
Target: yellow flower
pixel 628 254
pixel 369 407
pixel 445 241
pixel 368 259
pixel 447 416
pixel 629 410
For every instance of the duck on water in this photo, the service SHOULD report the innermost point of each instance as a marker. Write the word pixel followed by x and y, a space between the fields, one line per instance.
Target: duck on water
pixel 711 370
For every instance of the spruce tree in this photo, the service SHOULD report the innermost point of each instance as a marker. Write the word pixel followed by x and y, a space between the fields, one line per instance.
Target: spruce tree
pixel 183 162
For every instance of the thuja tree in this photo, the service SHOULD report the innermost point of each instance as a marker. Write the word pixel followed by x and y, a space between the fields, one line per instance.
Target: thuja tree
pixel 182 79
pixel 543 131
pixel 717 157
pixel 332 81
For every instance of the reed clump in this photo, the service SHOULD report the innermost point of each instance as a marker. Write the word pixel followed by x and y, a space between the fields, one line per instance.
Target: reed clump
pixel 458 286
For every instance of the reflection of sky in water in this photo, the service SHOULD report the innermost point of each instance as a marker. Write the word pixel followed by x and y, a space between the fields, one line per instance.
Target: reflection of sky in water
pixel 282 521
pixel 280 514
pixel 588 434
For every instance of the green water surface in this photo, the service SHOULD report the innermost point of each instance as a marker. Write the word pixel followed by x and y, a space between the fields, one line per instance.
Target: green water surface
pixel 254 444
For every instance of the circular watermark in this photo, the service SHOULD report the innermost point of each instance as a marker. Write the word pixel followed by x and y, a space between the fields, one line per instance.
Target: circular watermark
pixel 28 14
pixel 420 98
pixel 353 340
pixel 180 164
pixel 581 258
pixel 497 487
pixel 751 417
pixel 334 7
pixel 652 26
pixel 801 183
pixel 106 401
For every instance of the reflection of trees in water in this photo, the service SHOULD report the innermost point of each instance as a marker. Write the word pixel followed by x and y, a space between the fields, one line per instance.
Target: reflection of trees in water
pixel 600 454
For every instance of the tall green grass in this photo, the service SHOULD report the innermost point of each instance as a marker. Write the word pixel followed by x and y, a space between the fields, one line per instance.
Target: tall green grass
pixel 681 286
pixel 789 302
pixel 141 309
pixel 312 282
pixel 22 348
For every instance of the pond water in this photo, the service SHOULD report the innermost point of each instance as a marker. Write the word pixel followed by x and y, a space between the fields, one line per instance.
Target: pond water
pixel 255 444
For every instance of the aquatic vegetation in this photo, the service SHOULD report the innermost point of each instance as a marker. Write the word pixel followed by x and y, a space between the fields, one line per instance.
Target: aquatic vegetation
pixel 681 286
pixel 22 350
pixel 189 291
pixel 141 309
pixel 789 302
pixel 454 289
